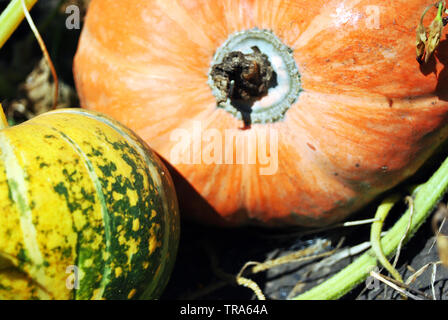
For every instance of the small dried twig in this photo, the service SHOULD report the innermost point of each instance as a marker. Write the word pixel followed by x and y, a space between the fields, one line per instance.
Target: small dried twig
pixel 433 280
pixel 44 51
pixel 324 229
pixel 358 222
pixel 342 254
pixel 419 272
pixel 398 286
pixel 299 256
pixel 248 283
pixel 410 268
pixel 438 231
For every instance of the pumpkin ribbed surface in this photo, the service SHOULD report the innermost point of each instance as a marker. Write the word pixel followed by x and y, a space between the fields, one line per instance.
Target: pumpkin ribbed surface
pixel 78 190
pixel 366 115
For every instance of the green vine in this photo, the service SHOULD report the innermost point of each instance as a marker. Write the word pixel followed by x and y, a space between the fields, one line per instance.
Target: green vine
pixel 375 235
pixel 11 17
pixel 426 197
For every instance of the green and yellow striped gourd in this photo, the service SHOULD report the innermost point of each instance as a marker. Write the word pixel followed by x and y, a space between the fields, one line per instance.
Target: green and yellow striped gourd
pixel 87 211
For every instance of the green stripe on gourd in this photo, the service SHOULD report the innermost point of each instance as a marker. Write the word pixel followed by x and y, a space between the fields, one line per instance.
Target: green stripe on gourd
pixel 123 211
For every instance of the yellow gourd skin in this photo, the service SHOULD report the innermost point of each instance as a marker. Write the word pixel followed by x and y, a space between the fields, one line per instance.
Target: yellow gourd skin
pixel 82 198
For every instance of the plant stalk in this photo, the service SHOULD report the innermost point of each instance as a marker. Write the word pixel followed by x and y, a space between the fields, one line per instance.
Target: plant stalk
pixel 11 18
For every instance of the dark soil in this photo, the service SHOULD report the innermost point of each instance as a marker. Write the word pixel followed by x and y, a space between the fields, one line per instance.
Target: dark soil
pixel 209 257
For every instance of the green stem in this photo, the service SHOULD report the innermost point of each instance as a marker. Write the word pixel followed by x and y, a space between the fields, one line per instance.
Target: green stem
pixel 426 198
pixel 375 235
pixel 11 17
pixel 440 11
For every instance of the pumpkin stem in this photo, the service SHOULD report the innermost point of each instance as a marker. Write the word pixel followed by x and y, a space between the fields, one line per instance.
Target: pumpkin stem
pixel 244 78
pixel 254 77
pixel 3 121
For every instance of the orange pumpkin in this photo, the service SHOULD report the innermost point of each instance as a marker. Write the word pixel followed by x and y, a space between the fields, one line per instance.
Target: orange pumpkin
pixel 275 112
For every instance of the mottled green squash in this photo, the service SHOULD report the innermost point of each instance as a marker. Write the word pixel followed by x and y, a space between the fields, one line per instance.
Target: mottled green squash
pixel 83 198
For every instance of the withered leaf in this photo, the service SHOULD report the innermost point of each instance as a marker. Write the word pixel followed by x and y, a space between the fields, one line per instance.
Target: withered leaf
pixel 435 33
pixel 421 40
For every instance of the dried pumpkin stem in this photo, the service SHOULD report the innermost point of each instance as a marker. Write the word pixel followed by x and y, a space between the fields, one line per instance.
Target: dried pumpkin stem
pixel 396 285
pixel 253 76
pixel 11 17
pixel 426 198
pixel 299 256
pixel 245 77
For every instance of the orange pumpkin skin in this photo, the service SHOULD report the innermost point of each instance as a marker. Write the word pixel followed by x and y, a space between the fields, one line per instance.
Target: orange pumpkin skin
pixel 368 116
